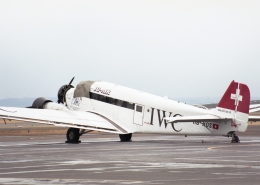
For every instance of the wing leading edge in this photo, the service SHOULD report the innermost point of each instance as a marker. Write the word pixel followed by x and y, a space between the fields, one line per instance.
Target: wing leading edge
pixel 75 119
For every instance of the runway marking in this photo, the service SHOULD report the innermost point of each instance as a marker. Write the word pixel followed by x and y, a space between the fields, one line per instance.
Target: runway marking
pixel 101 181
pixel 66 163
pixel 17 161
pixel 34 171
pixel 43 181
pixel 238 173
pixel 229 146
pixel 199 179
pixel 224 160
pixel 21 167
pixel 128 166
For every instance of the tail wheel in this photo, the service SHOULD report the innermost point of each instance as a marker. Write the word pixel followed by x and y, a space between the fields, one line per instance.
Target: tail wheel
pixel 235 139
pixel 73 135
pixel 125 137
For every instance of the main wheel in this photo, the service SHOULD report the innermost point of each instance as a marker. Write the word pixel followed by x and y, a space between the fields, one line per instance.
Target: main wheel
pixel 125 137
pixel 73 135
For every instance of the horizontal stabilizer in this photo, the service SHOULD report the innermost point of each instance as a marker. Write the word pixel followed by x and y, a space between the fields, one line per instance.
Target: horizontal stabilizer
pixel 201 118
pixel 254 118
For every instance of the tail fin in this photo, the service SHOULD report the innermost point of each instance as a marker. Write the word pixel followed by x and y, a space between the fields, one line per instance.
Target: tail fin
pixel 235 103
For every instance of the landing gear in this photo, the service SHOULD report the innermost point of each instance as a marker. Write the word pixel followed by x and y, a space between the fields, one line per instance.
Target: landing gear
pixel 125 137
pixel 234 137
pixel 73 135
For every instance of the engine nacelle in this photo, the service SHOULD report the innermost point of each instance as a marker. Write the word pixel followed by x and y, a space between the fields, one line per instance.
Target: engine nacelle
pixel 43 103
pixel 39 103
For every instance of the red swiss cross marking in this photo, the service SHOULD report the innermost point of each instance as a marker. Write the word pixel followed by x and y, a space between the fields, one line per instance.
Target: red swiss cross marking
pixel 237 97
pixel 215 126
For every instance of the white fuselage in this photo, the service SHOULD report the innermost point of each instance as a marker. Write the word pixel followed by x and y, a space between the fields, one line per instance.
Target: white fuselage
pixel 142 112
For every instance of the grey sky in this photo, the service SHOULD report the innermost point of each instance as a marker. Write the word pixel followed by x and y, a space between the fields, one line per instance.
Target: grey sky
pixel 184 48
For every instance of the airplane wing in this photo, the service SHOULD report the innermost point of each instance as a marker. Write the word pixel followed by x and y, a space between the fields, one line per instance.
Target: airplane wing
pixel 75 119
pixel 201 118
pixel 254 108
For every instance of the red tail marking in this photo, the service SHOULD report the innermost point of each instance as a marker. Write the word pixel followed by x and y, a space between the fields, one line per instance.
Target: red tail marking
pixel 236 97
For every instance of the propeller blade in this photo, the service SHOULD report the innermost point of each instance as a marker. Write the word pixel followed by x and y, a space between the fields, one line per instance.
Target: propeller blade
pixel 71 80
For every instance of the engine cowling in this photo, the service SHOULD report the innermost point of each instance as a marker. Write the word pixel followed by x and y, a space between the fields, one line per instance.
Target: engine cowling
pixel 43 103
pixel 39 103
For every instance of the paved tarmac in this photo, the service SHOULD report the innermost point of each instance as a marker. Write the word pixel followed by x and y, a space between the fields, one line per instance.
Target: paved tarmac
pixel 148 159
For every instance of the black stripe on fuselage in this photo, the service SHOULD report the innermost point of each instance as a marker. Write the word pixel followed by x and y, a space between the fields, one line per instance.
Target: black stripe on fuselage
pixel 113 101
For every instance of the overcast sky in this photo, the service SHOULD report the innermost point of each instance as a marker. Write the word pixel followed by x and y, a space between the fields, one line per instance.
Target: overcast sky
pixel 184 48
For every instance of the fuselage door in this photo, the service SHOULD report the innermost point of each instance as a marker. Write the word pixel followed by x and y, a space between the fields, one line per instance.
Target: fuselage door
pixel 138 114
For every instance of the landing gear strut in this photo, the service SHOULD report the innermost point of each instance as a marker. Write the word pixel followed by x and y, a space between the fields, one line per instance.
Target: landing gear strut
pixel 73 135
pixel 234 137
pixel 125 137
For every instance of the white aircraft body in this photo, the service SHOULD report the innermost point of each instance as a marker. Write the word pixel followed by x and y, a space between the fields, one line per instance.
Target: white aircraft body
pixel 108 107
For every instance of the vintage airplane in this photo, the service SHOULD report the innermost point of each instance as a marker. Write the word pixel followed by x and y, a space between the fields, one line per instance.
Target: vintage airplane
pixel 107 107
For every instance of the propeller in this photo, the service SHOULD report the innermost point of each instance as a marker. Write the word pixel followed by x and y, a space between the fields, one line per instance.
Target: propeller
pixel 63 90
pixel 71 80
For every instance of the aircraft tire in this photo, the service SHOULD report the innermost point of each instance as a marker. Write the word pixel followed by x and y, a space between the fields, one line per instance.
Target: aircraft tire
pixel 236 139
pixel 125 137
pixel 73 135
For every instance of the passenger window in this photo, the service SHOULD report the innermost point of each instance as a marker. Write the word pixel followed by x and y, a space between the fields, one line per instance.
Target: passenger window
pixel 124 104
pixel 94 96
pixel 139 108
pixel 115 101
pixel 130 105
pixel 110 100
pixel 102 98
pixel 119 102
